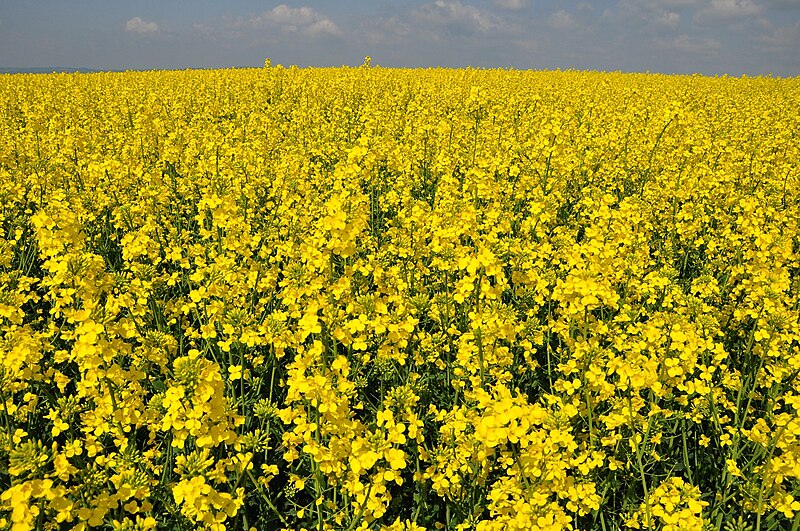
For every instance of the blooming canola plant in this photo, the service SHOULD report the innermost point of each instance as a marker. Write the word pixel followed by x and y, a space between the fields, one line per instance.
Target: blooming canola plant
pixel 370 298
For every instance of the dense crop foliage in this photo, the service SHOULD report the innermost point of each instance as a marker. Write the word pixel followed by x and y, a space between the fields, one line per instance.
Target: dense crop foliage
pixel 363 298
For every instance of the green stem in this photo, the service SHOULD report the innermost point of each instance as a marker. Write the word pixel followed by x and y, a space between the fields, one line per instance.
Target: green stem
pixel 8 417
pixel 642 477
pixel 266 498
pixel 686 452
pixel 361 509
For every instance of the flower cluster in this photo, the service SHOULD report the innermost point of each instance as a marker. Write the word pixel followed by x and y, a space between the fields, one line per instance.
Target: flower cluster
pixel 370 298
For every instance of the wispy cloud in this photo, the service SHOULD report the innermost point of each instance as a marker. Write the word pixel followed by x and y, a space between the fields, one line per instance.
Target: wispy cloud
pixel 674 4
pixel 458 17
pixel 382 30
pixel 514 5
pixel 730 9
pixel 305 20
pixel 667 19
pixel 781 39
pixel 137 25
pixel 279 22
pixel 692 45
pixel 646 18
pixel 561 19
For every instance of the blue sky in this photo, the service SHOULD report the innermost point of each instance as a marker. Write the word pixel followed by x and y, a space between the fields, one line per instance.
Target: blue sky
pixel 708 36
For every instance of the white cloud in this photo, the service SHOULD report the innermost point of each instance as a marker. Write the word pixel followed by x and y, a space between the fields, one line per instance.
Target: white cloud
pixel 459 17
pixel 305 20
pixel 137 25
pixel 727 9
pixel 514 5
pixel 561 20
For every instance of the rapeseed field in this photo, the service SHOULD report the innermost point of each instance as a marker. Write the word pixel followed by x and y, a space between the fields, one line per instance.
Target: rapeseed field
pixel 368 298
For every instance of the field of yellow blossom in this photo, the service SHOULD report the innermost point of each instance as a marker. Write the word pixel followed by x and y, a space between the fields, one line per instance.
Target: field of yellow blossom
pixel 396 300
